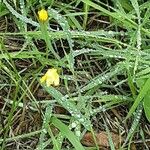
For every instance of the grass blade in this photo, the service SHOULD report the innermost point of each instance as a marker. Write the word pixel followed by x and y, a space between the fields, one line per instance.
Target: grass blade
pixel 65 131
pixel 140 97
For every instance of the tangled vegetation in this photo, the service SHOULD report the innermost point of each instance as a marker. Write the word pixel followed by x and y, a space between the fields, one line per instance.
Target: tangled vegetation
pixel 74 74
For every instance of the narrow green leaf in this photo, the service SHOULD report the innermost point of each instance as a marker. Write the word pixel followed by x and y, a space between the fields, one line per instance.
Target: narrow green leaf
pixel 136 7
pixel 117 15
pixel 141 95
pixel 68 105
pixel 21 17
pixel 100 79
pixel 146 104
pixel 135 123
pixel 65 131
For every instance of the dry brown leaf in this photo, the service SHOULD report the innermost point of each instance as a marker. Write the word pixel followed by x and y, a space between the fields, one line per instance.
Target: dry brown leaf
pixel 101 139
pixel 60 110
pixel 133 147
pixel 1 102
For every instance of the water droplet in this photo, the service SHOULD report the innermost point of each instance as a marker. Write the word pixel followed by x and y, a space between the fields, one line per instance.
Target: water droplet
pixel 73 125
pixel 81 120
pixel 44 130
pixel 78 133
pixel 78 116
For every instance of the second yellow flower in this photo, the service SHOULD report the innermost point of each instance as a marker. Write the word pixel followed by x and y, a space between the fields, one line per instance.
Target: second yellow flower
pixel 43 15
pixel 51 77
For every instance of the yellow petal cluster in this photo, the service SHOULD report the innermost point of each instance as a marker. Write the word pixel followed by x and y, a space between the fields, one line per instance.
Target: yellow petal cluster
pixel 43 15
pixel 51 77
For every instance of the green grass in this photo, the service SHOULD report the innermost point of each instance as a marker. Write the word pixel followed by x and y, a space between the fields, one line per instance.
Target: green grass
pixel 101 51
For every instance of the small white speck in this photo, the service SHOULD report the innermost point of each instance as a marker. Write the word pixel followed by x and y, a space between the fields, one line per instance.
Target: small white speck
pixel 44 130
pixel 73 125
pixel 78 133
pixel 81 120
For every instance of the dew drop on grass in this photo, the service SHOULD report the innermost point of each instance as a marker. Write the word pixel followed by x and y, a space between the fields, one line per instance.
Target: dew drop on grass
pixel 63 99
pixel 110 32
pixel 102 78
pixel 44 130
pixel 103 109
pixel 21 6
pixel 73 125
pixel 122 33
pixel 110 56
pixel 78 116
pixel 78 133
pixel 81 120
pixel 116 97
pixel 75 110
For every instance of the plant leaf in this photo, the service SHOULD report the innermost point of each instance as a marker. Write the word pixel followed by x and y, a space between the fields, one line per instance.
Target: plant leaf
pixel 146 104
pixel 65 131
pixel 141 95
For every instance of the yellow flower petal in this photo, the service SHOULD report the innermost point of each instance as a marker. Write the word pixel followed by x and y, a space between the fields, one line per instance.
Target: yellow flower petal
pixel 51 77
pixel 43 15
pixel 43 79
pixel 56 81
pixel 49 82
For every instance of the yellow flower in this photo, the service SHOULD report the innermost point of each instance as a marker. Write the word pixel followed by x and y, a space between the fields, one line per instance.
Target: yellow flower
pixel 43 15
pixel 51 77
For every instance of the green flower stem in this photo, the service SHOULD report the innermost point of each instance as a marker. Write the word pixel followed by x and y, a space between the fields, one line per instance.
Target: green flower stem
pixel 45 35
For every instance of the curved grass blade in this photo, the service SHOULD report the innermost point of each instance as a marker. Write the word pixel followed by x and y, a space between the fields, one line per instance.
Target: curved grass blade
pixel 98 80
pixel 66 28
pixel 146 104
pixel 140 97
pixel 137 117
pixel 70 107
pixel 65 131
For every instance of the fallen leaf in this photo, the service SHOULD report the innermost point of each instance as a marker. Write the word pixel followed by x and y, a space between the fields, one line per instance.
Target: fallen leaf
pixel 60 110
pixel 133 147
pixel 101 139
pixel 1 102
